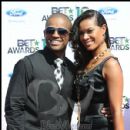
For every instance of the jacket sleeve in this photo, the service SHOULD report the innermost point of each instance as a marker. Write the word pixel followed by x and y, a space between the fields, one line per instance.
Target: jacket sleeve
pixel 16 97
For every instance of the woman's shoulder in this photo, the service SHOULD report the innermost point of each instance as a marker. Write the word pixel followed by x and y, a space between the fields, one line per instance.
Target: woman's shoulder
pixel 110 61
pixel 111 66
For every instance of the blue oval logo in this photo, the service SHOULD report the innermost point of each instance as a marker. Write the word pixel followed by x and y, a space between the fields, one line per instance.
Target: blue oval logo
pixel 10 75
pixel 16 12
pixel 108 11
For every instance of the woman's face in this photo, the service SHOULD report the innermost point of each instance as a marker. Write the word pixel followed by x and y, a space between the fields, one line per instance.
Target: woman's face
pixel 91 35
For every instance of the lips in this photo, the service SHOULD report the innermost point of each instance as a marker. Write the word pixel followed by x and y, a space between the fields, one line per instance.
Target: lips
pixel 87 43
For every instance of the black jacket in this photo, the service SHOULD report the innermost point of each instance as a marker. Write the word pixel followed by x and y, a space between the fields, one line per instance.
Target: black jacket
pixel 34 100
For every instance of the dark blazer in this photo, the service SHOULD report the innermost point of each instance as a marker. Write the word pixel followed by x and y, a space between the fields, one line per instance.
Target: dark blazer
pixel 34 100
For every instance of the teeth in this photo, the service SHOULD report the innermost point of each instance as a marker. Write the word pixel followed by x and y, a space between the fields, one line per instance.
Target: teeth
pixel 89 43
pixel 54 42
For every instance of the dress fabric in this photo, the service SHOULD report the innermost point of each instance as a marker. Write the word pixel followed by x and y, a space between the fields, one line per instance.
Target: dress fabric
pixel 94 96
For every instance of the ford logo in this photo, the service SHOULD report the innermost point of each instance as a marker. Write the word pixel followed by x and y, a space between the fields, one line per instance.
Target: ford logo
pixel 16 12
pixel 108 10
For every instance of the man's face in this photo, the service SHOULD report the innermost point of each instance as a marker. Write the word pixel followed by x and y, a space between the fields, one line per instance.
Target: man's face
pixel 57 34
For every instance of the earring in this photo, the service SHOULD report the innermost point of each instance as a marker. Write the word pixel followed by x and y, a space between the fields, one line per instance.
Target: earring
pixel 104 36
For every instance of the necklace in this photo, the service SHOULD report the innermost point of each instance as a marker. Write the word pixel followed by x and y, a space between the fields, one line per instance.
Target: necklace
pixel 96 59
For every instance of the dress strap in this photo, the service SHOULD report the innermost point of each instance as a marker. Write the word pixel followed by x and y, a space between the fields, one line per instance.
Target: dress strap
pixel 107 58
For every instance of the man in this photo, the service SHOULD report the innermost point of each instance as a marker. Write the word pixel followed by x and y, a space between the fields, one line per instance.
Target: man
pixel 34 99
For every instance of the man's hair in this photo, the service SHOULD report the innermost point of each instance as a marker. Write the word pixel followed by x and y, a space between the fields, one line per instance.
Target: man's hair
pixel 61 15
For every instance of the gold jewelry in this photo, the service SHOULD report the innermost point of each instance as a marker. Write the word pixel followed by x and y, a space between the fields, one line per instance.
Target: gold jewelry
pixel 96 58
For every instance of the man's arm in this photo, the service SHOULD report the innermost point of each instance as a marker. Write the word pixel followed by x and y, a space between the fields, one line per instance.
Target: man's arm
pixel 15 98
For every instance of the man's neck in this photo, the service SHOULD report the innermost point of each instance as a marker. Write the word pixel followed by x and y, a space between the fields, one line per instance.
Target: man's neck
pixel 60 54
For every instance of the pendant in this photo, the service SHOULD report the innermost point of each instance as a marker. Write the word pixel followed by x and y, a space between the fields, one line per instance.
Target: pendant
pixel 75 118
pixel 79 111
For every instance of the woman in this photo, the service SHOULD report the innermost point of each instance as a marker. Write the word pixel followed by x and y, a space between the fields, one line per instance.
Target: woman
pixel 99 79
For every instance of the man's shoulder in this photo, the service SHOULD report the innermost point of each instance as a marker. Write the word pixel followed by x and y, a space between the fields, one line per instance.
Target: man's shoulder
pixel 35 55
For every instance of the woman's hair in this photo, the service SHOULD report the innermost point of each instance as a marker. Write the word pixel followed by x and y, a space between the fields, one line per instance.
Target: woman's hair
pixel 80 53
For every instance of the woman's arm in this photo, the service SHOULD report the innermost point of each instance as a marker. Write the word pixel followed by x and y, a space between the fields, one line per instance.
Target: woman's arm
pixel 112 72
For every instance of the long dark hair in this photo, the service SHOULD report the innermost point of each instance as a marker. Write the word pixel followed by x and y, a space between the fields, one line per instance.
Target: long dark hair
pixel 80 53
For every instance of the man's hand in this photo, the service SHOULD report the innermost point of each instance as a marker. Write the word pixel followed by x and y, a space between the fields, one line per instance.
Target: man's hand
pixel 106 112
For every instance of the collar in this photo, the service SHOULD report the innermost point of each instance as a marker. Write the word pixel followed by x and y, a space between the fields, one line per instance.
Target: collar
pixel 50 56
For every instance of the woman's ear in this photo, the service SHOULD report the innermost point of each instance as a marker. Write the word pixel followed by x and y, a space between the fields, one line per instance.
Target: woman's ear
pixel 104 27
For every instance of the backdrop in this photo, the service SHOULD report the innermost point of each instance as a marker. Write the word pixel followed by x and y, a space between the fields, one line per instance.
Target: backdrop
pixel 22 34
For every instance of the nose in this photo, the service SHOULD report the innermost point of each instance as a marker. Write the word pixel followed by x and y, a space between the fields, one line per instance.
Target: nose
pixel 85 36
pixel 55 34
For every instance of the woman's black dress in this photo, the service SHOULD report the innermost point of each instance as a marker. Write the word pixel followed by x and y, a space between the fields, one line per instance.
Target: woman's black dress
pixel 93 96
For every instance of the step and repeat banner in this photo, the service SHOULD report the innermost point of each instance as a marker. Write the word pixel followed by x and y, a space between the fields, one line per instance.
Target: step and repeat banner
pixel 22 34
